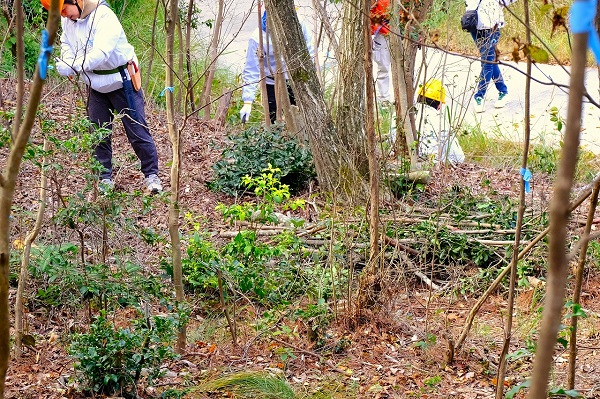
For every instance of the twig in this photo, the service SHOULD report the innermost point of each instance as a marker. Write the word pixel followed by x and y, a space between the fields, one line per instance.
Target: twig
pixel 230 233
pixel 426 280
pixel 484 231
pixel 397 244
pixel 585 192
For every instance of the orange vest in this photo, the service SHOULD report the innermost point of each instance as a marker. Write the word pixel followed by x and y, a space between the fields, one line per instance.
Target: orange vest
pixel 380 17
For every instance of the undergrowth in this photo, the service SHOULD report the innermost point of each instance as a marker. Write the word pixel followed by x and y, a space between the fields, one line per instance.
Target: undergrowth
pixel 252 149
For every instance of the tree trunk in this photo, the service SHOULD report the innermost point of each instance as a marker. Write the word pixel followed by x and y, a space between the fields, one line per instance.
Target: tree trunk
pixel 370 278
pixel 403 52
pixel 26 254
pixel 7 189
pixel 20 47
pixel 152 47
pixel 188 59
pixel 281 92
pixel 261 67
pixel 293 121
pixel 578 272
pixel 559 217
pixel 334 172
pixel 212 67
pixel 350 100
pixel 175 137
pixel 179 106
pixel 501 375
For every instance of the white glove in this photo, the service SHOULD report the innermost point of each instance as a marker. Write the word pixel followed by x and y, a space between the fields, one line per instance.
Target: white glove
pixel 64 69
pixel 245 111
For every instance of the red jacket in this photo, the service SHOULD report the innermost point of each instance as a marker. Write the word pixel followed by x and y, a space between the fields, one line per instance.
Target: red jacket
pixel 380 16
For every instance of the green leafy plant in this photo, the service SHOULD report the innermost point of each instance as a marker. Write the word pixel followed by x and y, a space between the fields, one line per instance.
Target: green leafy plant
pixel 432 381
pixel 317 317
pixel 554 392
pixel 62 282
pixel 426 343
pixel 253 148
pixel 110 359
pixel 544 158
pixel 269 271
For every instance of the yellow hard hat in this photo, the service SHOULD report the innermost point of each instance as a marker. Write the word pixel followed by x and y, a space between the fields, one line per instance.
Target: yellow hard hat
pixel 433 89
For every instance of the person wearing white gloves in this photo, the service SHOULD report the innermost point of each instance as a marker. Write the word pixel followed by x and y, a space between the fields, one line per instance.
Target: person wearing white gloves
pixel 251 72
pixel 95 48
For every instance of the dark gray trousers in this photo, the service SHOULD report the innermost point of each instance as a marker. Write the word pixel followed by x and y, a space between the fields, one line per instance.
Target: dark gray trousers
pixel 102 108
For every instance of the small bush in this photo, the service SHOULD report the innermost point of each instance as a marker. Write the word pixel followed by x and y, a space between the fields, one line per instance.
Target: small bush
pixel 110 359
pixel 61 281
pixel 251 150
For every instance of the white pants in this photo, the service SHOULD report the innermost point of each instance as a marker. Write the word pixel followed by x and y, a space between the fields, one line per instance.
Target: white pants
pixel 381 56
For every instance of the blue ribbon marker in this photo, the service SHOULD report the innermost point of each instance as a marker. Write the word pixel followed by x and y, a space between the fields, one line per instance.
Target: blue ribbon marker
pixel 171 89
pixel 526 177
pixel 581 19
pixel 45 51
pixel 263 21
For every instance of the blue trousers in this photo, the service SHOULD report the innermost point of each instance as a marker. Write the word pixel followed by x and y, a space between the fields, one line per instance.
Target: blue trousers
pixel 102 108
pixel 486 41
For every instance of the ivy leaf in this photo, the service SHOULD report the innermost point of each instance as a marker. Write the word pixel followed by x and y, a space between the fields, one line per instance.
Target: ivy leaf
pixel 560 391
pixel 514 390
pixel 563 342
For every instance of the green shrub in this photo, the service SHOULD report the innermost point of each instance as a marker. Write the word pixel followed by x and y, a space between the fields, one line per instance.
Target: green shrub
pixel 199 264
pixel 251 150
pixel 62 282
pixel 110 359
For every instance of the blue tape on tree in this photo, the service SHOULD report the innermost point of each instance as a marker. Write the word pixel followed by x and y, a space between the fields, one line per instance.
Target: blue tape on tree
pixel 171 89
pixel 526 178
pixel 45 51
pixel 581 19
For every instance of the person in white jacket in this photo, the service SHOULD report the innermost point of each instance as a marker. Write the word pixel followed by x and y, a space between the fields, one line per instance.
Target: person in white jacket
pixel 95 48
pixel 437 142
pixel 490 21
pixel 251 72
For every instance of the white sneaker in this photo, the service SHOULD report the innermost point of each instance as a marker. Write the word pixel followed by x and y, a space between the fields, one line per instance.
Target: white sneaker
pixel 502 99
pixel 105 186
pixel 153 184
pixel 479 105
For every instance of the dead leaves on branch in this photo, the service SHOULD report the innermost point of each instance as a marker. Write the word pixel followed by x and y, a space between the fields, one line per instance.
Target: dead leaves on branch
pixel 559 18
pixel 536 53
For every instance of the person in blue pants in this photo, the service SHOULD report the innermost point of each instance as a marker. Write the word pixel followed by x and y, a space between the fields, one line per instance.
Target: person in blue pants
pixel 486 37
pixel 94 48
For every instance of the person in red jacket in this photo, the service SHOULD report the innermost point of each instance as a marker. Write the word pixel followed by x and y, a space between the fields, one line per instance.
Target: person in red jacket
pixel 380 19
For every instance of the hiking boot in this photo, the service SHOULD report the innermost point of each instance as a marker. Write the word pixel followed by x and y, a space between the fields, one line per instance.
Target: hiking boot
pixel 153 184
pixel 105 186
pixel 502 99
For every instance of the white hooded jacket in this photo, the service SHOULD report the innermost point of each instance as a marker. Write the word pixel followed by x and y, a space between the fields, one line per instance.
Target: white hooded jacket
pixel 490 14
pixel 96 42
pixel 251 72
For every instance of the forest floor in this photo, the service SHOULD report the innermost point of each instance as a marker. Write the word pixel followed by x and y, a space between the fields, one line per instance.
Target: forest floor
pixel 398 350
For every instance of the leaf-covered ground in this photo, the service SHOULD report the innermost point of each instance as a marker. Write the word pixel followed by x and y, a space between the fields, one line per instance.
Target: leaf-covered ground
pixel 396 350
